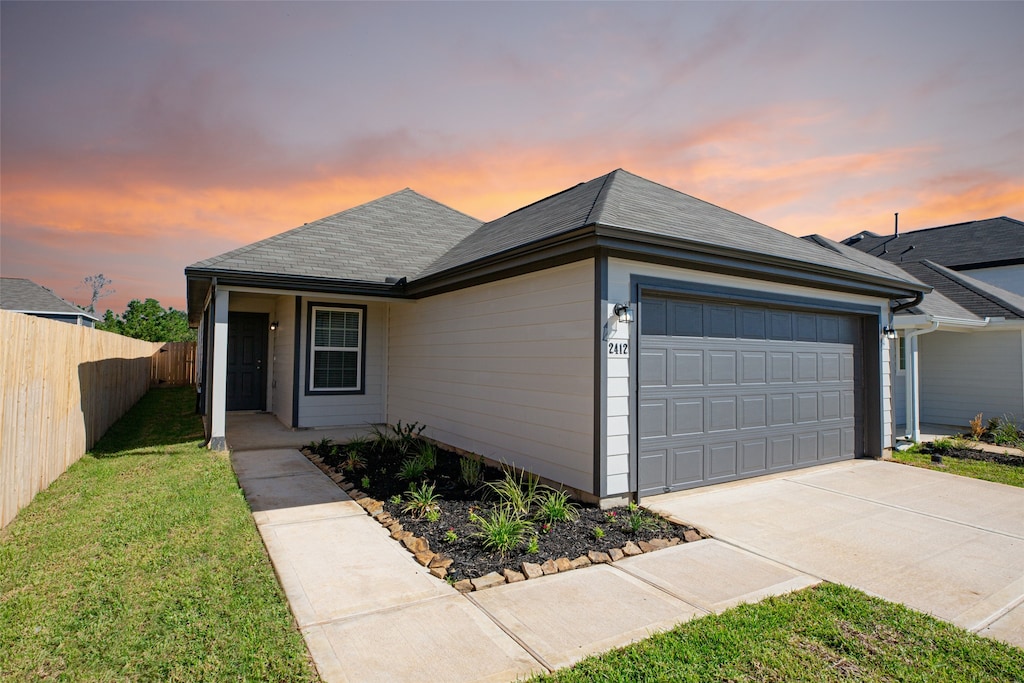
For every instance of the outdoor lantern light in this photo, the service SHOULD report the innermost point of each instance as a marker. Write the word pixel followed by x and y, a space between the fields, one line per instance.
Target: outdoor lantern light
pixel 273 326
pixel 889 332
pixel 624 312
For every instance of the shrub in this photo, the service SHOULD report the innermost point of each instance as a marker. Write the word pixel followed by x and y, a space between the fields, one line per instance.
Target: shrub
pixel 420 500
pixel 353 460
pixel 470 470
pixel 427 454
pixel 959 443
pixel 1006 432
pixel 519 493
pixel 555 506
pixel 501 530
pixel 412 469
pixel 977 428
pixel 942 445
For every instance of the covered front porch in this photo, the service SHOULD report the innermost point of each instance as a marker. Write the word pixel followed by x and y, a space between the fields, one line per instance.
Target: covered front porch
pixel 258 431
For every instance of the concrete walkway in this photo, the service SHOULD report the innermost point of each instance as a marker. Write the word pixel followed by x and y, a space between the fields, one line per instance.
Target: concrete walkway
pixel 947 545
pixel 369 612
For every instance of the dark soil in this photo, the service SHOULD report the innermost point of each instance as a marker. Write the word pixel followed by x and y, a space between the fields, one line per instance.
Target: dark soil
pixel 455 536
pixel 973 454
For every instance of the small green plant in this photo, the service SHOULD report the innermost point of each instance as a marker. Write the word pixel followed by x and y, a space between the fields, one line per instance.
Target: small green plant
pixel 322 447
pixel 977 427
pixel 555 506
pixel 333 456
pixel 636 520
pixel 412 469
pixel 959 443
pixel 364 482
pixel 395 499
pixel 501 530
pixel 942 445
pixel 419 500
pixel 353 460
pixel 427 454
pixel 404 437
pixel 381 440
pixel 450 536
pixel 598 533
pixel 519 493
pixel 1005 432
pixel 433 515
pixel 470 470
pixel 533 545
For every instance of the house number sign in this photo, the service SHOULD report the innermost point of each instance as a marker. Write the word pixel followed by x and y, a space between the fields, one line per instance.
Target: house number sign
pixel 618 348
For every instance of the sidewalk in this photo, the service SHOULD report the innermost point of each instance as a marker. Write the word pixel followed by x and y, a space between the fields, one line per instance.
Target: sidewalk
pixel 369 612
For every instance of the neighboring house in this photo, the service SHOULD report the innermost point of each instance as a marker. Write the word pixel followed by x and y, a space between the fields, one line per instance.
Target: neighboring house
pixel 961 349
pixel 619 337
pixel 24 296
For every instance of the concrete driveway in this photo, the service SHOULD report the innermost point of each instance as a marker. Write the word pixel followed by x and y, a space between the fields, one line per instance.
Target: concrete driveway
pixel 939 543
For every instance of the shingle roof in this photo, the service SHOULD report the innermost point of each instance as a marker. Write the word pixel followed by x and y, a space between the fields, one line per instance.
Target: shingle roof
pixel 865 259
pixel 626 201
pixel 956 294
pixel 959 246
pixel 23 295
pixel 395 236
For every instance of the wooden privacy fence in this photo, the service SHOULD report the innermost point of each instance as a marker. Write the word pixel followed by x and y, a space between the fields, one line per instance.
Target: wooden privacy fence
pixel 174 365
pixel 61 387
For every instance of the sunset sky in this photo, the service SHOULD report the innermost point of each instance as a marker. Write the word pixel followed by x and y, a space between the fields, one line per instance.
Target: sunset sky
pixel 137 138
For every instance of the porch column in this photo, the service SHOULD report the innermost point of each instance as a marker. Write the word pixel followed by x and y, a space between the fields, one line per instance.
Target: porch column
pixel 219 378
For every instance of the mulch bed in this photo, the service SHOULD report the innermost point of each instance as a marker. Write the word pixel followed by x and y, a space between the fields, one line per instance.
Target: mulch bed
pixel 454 535
pixel 974 454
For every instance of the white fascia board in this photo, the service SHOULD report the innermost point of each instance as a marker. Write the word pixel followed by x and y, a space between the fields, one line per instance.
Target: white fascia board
pixel 914 322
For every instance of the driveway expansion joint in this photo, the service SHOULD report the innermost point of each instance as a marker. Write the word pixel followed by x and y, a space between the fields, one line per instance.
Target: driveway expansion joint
pixel 511 634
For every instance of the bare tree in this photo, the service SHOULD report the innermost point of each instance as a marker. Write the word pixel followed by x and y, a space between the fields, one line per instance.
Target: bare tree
pixel 100 287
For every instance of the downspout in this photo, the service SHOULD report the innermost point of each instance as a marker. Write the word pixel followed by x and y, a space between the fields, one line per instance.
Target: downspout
pixel 913 387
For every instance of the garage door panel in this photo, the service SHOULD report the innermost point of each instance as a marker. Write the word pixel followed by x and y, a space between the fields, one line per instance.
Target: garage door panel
pixel 654 368
pixel 721 413
pixel 753 367
pixel 687 416
pixel 687 368
pixel 807 367
pixel 753 412
pixel 686 319
pixel 721 462
pixel 830 403
pixel 781 451
pixel 743 390
pixel 687 466
pixel 721 367
pixel 807 447
pixel 654 418
pixel 753 456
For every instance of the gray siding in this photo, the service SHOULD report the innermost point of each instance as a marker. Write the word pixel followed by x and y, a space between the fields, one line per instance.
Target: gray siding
pixel 283 354
pixel 963 374
pixel 504 370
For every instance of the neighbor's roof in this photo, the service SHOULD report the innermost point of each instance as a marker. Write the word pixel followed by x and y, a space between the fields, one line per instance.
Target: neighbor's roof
pixel 395 236
pixel 624 201
pixel 957 295
pixel 962 246
pixel 24 296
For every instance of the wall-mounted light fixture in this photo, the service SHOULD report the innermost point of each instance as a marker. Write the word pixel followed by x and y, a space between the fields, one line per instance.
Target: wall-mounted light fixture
pixel 624 312
pixel 889 332
pixel 274 325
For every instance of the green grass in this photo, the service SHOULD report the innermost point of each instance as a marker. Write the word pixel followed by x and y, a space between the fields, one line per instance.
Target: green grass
pixel 978 469
pixel 827 633
pixel 142 562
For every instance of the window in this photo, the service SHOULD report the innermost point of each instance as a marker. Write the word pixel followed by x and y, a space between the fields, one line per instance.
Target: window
pixel 902 356
pixel 336 339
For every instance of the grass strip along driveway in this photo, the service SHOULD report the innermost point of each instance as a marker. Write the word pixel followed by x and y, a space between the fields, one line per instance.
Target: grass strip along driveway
pixel 142 562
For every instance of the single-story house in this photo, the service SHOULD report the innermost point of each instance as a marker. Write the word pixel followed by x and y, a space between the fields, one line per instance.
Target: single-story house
pixel 620 337
pixel 961 349
pixel 24 296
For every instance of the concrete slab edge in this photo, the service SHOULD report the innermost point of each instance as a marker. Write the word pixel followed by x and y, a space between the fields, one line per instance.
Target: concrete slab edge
pixel 529 650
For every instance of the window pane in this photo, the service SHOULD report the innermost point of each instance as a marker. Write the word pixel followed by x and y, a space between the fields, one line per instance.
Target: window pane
pixel 335 369
pixel 338 329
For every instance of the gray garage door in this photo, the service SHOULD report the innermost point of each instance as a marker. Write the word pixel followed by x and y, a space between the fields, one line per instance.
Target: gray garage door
pixel 732 391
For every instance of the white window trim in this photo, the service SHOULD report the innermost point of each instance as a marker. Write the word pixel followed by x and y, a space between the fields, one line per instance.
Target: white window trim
pixel 313 349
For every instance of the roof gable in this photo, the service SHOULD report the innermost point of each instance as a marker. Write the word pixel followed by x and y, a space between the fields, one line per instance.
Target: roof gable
pixel 392 237
pixel 974 244
pixel 955 289
pixel 24 296
pixel 627 202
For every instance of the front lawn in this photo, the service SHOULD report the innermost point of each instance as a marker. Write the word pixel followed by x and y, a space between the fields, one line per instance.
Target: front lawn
pixel 978 469
pixel 827 633
pixel 142 562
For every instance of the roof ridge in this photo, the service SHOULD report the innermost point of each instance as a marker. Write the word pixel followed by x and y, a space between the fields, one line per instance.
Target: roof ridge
pixel 969 284
pixel 600 197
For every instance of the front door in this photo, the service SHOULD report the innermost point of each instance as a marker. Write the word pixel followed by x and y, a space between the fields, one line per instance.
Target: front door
pixel 247 360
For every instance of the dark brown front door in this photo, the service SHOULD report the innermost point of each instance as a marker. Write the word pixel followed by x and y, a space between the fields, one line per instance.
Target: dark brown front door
pixel 247 360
